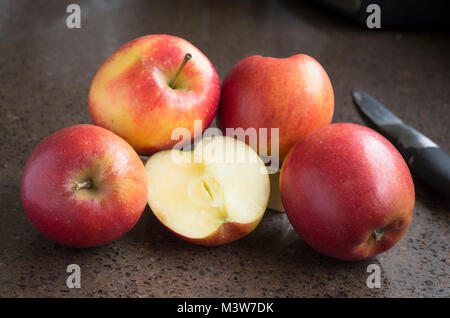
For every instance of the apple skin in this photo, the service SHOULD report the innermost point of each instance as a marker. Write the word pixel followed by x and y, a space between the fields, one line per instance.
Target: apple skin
pixel 341 183
pixel 293 94
pixel 226 233
pixel 130 94
pixel 84 217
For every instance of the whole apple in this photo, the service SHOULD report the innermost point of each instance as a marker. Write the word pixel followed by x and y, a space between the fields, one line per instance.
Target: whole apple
pixel 149 87
pixel 347 192
pixel 292 94
pixel 84 186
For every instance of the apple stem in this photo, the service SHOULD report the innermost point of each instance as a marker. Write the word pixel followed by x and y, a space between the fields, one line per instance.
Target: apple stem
pixel 377 234
pixel 81 185
pixel 187 57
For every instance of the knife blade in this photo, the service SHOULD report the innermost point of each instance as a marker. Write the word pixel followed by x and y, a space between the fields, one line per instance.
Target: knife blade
pixel 423 156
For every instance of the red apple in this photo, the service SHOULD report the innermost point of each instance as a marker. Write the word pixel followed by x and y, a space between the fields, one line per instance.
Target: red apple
pixel 146 89
pixel 347 191
pixel 84 186
pixel 293 94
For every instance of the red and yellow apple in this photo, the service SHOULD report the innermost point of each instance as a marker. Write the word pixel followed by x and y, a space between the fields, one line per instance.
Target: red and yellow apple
pixel 292 94
pixel 149 87
pixel 213 195
pixel 347 192
pixel 84 186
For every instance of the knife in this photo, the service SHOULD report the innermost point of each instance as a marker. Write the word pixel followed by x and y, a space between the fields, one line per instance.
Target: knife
pixel 424 157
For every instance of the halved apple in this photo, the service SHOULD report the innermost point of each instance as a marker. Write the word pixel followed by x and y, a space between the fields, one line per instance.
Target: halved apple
pixel 213 195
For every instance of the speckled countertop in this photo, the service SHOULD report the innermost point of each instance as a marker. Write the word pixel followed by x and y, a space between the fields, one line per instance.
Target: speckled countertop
pixel 45 73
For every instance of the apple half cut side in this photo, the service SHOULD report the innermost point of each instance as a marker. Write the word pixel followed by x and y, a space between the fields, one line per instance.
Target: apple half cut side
pixel 210 196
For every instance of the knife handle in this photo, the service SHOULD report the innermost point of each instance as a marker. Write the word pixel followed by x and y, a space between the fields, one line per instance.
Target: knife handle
pixel 432 165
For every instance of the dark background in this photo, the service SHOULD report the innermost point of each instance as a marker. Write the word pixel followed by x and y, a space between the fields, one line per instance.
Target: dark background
pixel 45 74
